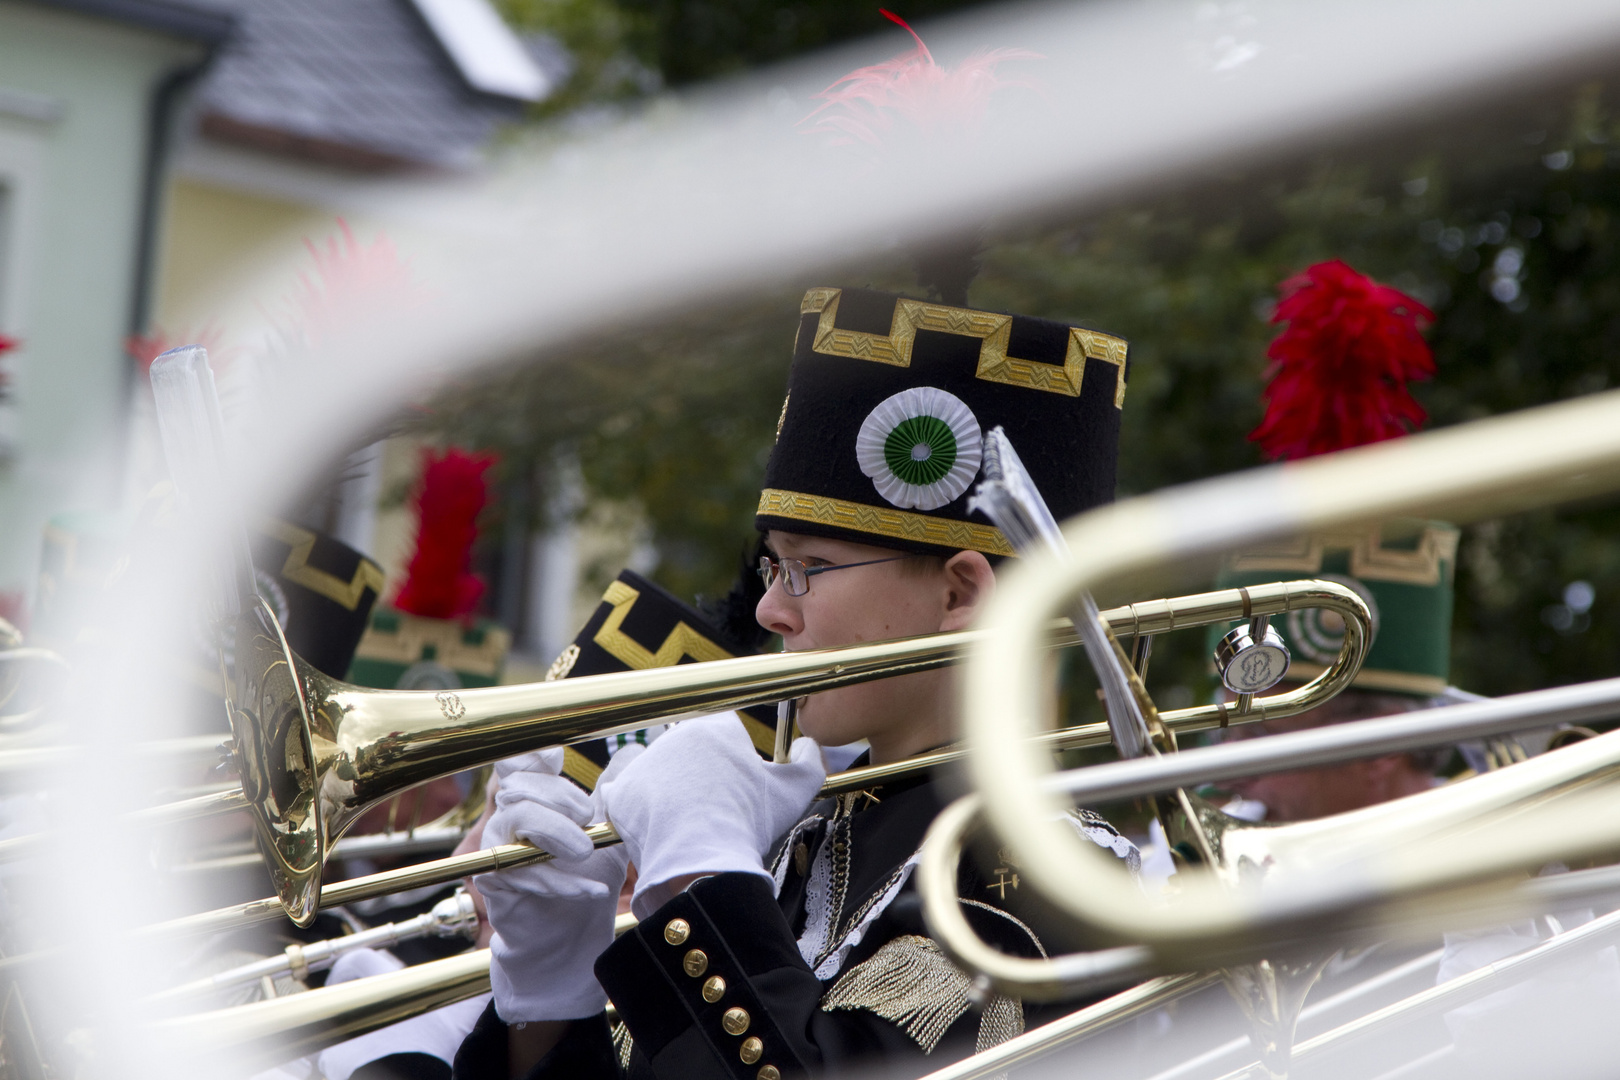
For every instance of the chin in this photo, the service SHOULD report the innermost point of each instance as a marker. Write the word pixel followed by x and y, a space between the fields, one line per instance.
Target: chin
pixel 822 726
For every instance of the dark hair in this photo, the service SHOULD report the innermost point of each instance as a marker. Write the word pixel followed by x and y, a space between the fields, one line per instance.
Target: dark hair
pixel 733 613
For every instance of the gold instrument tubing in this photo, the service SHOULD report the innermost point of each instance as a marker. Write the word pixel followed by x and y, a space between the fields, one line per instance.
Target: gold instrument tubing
pixel 1518 462
pixel 1424 966
pixel 315 753
pixel 1329 856
pixel 267 1032
pixel 1155 617
pixel 1081 1024
pixel 1452 993
pixel 305 1023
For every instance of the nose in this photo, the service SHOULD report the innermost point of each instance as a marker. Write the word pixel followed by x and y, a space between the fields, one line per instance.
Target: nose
pixel 778 612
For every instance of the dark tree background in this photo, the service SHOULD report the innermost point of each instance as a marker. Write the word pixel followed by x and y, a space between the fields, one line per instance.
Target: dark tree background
pixel 1510 236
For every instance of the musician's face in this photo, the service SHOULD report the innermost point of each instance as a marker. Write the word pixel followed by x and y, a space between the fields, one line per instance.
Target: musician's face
pixel 1308 794
pixel 897 716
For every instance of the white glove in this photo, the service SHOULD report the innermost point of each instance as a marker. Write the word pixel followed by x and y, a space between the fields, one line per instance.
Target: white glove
pixel 553 919
pixel 701 801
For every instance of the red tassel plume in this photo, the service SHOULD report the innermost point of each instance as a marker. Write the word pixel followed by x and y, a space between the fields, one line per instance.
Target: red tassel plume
pixel 1339 370
pixel 864 105
pixel 438 583
pixel 6 345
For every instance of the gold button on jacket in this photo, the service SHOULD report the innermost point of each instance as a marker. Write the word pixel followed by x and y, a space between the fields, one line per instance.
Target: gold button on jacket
pixel 735 1020
pixel 676 931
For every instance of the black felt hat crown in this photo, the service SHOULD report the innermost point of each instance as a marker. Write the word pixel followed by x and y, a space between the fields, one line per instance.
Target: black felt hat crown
pixel 889 397
pixel 321 589
pixel 640 625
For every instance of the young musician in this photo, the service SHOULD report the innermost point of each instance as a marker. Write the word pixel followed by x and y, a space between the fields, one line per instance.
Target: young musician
pixel 779 937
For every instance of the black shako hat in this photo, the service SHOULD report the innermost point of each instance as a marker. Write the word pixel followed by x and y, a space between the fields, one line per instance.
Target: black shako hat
pixel 881 432
pixel 321 589
pixel 639 625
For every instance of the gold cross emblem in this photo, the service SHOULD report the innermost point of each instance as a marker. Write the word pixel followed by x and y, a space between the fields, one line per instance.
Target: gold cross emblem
pixel 1003 881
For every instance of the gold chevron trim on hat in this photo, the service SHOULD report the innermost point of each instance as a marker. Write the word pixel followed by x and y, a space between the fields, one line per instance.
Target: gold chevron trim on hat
pixel 1369 559
pixel 992 330
pixel 297 569
pixel 895 524
pixel 681 641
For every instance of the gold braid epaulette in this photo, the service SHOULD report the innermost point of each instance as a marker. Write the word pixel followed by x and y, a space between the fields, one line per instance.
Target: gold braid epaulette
pixel 911 983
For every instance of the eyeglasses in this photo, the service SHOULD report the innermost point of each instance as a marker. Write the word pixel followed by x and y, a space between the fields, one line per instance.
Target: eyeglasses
pixel 795 576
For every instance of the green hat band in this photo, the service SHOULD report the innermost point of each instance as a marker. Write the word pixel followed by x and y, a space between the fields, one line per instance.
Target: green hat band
pixel 1404 571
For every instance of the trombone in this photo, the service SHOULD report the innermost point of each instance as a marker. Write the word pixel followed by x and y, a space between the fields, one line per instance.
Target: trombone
pixel 1354 874
pixel 315 753
pixel 309 1021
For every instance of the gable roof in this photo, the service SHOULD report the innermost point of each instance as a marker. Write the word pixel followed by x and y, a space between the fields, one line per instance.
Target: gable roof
pixel 361 83
pixel 199 22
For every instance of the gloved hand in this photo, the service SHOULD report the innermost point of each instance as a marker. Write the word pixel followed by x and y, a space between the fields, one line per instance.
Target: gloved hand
pixel 551 920
pixel 701 801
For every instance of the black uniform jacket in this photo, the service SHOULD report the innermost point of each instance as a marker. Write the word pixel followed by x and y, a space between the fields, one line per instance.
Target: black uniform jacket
pixel 715 984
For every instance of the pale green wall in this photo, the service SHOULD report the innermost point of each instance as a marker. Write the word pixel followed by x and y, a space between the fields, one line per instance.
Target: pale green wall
pixel 75 190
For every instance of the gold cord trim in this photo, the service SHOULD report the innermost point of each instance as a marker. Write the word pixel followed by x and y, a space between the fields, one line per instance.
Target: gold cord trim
pixel 564 663
pixel 623 1043
pixel 580 769
pixel 993 331
pixel 297 568
pixel 911 983
pixel 895 524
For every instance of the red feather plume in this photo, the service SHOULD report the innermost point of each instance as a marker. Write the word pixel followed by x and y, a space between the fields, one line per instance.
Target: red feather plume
pixel 1339 370
pixel 864 105
pixel 6 345
pixel 438 582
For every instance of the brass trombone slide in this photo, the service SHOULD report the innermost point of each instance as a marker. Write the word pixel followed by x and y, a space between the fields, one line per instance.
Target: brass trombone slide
pixel 315 753
pixel 302 1024
pixel 1511 463
pixel 268 1032
pixel 451 917
pixel 1144 618
pixel 1315 849
pixel 1453 993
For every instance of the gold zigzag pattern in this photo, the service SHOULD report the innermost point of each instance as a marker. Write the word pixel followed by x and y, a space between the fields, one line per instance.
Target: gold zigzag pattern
pixel 993 331
pixel 1370 560
pixel 297 568
pixel 681 641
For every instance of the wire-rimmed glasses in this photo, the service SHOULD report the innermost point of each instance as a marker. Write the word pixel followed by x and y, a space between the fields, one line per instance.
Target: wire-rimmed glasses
pixel 795 576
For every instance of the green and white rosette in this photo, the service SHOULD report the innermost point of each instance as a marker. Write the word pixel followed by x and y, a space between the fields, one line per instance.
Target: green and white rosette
pixel 921 448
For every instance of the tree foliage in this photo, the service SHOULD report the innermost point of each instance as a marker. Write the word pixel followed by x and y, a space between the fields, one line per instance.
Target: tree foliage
pixel 1512 237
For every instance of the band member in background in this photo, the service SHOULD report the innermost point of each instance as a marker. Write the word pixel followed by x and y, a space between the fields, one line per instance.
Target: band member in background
pixel 1339 375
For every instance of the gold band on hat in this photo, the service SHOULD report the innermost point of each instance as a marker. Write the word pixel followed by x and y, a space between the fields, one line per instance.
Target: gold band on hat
pixel 879 521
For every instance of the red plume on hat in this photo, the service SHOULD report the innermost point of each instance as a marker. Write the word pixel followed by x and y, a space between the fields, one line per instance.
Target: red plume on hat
pixel 865 105
pixel 6 345
pixel 439 583
pixel 1340 368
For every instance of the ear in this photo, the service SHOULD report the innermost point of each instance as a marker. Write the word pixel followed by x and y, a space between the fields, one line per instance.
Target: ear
pixel 969 585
